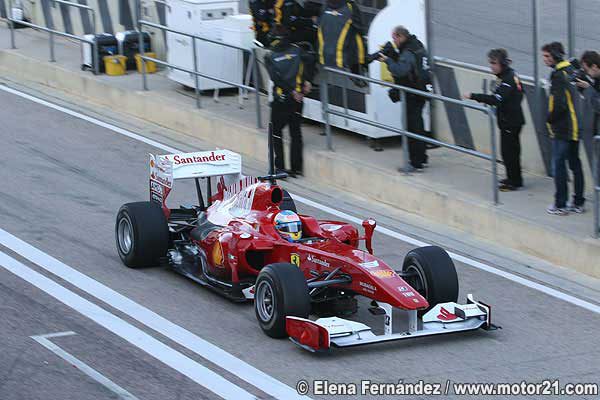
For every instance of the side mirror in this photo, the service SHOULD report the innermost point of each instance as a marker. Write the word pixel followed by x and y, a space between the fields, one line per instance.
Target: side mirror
pixel 369 226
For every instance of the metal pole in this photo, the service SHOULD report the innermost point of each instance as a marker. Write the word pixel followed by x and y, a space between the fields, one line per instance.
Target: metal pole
pixel 325 106
pixel 11 25
pixel 196 78
pixel 429 29
pixel 490 113
pixel 141 44
pixel 345 100
pixel 95 57
pixel 93 21
pixel 571 26
pixel 596 174
pixel 256 75
pixel 537 106
pixel 51 37
pixel 405 153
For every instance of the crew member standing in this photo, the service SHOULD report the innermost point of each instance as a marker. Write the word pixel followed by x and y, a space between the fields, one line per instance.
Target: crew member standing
pixel 563 126
pixel 507 99
pixel 262 16
pixel 291 69
pixel 299 18
pixel 411 69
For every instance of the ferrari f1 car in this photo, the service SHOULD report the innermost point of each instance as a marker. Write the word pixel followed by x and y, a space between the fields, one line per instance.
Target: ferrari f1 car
pixel 304 275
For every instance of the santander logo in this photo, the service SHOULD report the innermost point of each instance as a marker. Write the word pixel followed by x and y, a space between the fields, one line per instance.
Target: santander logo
pixel 194 159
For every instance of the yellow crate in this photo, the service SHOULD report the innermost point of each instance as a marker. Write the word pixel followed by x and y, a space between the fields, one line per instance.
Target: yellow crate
pixel 115 65
pixel 150 65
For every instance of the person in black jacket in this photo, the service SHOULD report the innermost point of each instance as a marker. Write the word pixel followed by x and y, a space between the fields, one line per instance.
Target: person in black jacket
pixel 299 18
pixel 590 62
pixel 262 17
pixel 411 69
pixel 291 69
pixel 563 126
pixel 507 99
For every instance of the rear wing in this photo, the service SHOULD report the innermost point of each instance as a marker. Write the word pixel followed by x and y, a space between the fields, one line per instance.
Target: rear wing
pixel 165 169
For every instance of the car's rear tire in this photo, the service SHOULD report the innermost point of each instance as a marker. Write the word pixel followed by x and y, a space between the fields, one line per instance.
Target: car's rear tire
pixel 433 274
pixel 281 291
pixel 142 234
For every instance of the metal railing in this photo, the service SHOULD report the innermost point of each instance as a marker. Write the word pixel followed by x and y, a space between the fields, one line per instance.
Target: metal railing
pixel 596 174
pixel 478 68
pixel 253 64
pixel 493 158
pixel 52 32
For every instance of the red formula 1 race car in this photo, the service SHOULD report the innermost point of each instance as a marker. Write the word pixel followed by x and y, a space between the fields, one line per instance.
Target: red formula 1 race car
pixel 247 243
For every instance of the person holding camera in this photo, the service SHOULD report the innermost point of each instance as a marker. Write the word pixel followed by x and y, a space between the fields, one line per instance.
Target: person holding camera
pixel 291 69
pixel 407 61
pixel 590 63
pixel 507 99
pixel 563 126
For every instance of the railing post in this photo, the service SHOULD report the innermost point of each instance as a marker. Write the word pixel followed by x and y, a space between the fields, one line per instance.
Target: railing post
pixel 93 21
pixel 11 25
pixel 196 79
pixel 345 99
pixel 404 119
pixel 256 75
pixel 596 175
pixel 325 106
pixel 142 60
pixel 571 27
pixel 51 41
pixel 490 113
pixel 95 57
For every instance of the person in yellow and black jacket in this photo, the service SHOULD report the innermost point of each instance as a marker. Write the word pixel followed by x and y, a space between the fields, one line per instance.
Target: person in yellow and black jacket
pixel 563 126
pixel 299 18
pixel 291 70
pixel 340 36
pixel 262 16
pixel 507 99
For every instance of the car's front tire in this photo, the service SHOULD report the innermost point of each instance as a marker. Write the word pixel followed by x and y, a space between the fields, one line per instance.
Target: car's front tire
pixel 432 273
pixel 281 291
pixel 142 234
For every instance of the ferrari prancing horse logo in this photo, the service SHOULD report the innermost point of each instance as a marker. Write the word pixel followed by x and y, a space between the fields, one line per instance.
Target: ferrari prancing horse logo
pixel 295 259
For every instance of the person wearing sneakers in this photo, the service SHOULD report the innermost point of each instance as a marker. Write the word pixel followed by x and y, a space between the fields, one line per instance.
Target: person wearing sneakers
pixel 507 99
pixel 563 127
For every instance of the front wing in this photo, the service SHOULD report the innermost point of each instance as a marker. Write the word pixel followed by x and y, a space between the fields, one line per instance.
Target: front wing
pixel 445 318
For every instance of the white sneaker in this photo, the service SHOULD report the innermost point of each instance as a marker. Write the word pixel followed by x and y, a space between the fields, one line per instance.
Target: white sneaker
pixel 575 209
pixel 556 211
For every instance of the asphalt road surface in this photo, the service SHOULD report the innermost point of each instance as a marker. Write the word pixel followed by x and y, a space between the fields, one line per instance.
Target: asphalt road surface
pixel 159 336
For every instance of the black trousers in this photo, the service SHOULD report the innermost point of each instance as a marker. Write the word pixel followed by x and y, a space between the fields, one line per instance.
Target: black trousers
pixel 510 149
pixel 417 149
pixel 287 112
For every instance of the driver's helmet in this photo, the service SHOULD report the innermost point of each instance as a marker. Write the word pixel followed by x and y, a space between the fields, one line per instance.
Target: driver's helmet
pixel 288 225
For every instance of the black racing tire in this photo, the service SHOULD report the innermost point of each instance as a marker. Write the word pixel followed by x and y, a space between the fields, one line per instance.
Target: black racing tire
pixel 142 234
pixel 434 274
pixel 287 203
pixel 285 285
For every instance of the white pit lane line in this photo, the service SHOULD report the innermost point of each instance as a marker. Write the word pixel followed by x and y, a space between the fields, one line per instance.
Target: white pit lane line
pixel 457 257
pixel 44 340
pixel 174 359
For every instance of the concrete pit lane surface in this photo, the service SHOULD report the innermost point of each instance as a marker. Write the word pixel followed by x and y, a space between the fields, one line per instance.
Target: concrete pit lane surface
pixel 152 334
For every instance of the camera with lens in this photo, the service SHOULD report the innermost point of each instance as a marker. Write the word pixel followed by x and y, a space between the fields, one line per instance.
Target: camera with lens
pixel 387 50
pixel 578 72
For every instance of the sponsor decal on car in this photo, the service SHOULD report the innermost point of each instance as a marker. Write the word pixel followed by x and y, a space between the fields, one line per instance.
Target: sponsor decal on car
pixel 367 287
pixel 156 187
pixel 383 273
pixel 408 294
pixel 318 261
pixel 197 159
pixel 403 288
pixel 446 315
pixel 295 259
pixel 217 254
pixel 331 227
pixel 370 264
pixel 155 197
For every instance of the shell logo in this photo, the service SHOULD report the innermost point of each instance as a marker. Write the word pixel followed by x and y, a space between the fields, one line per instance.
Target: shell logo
pixel 152 163
pixel 217 254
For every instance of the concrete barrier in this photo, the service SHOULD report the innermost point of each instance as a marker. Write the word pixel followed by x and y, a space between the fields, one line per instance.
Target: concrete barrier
pixel 327 168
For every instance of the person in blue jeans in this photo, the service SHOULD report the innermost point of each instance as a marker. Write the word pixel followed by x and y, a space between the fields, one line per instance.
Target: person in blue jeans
pixel 563 127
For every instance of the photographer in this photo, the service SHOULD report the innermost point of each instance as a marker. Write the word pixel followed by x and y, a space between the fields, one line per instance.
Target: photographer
pixel 590 63
pixel 407 61
pixel 507 99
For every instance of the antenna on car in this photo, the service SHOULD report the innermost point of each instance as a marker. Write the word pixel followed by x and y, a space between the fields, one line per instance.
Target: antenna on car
pixel 273 175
